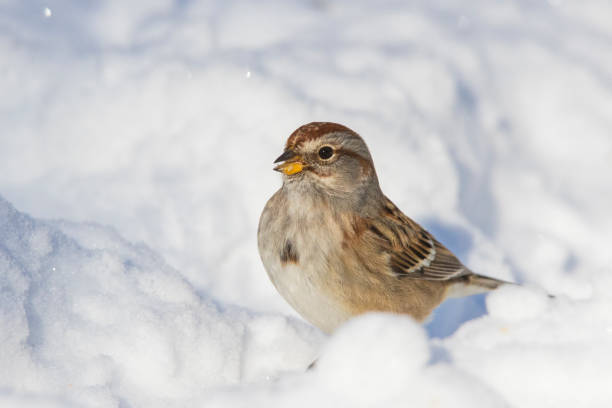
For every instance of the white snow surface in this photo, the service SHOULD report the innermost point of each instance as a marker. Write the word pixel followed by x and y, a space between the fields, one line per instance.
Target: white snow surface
pixel 135 158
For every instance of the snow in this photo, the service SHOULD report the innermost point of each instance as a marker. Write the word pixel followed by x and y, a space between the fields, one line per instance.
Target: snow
pixel 375 360
pixel 89 316
pixel 136 153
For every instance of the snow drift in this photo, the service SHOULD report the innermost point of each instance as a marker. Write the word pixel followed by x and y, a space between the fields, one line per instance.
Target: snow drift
pixel 92 320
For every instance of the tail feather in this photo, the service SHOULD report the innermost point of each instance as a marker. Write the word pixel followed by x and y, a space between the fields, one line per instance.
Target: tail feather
pixel 473 284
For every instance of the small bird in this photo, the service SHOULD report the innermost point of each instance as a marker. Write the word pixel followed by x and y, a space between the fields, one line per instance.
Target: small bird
pixel 335 246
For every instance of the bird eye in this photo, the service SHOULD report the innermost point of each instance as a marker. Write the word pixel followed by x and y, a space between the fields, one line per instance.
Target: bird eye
pixel 326 152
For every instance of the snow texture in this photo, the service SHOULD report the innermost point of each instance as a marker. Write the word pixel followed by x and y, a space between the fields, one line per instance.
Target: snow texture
pixel 135 159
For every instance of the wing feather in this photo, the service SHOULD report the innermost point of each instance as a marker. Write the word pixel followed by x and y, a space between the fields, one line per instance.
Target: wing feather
pixel 412 252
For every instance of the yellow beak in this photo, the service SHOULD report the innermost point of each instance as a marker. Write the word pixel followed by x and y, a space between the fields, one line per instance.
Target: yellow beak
pixel 292 163
pixel 290 168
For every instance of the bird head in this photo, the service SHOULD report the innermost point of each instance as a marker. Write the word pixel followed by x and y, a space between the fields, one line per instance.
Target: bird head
pixel 328 157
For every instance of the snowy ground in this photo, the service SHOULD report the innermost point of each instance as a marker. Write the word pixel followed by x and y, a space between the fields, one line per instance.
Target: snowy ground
pixel 135 158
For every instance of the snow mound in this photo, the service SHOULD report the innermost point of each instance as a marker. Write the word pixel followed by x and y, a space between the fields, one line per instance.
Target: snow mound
pixel 374 355
pixel 87 318
pixel 373 360
pixel 541 351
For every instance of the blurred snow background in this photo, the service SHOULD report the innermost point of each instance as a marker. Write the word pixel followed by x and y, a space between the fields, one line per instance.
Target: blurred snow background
pixel 135 158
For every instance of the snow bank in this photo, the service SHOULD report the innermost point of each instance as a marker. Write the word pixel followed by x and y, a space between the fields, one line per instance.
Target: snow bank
pixel 92 320
pixel 489 122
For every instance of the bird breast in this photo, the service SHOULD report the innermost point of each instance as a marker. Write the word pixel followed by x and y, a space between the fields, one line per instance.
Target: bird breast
pixel 296 242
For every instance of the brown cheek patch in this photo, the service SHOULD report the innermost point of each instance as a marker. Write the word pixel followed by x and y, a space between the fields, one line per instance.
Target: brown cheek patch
pixel 313 131
pixel 318 173
pixel 289 254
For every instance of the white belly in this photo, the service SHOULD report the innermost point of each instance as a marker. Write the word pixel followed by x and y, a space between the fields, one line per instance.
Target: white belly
pixel 305 294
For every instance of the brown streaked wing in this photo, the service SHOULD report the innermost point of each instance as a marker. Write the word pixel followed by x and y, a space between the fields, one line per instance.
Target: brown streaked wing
pixel 412 251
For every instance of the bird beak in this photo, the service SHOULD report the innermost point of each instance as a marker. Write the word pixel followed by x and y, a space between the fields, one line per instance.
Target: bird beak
pixel 292 163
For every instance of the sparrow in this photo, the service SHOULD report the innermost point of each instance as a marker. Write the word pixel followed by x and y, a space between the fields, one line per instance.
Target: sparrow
pixel 335 246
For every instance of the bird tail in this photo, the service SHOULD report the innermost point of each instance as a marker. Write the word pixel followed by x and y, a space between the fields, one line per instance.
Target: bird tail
pixel 473 284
